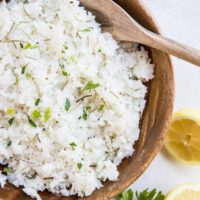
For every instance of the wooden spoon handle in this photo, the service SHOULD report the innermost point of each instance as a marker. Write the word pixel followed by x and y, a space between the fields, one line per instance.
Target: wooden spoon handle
pixel 172 47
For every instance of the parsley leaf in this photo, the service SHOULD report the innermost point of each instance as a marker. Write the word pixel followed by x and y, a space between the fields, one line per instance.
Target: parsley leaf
pixel 10 111
pixel 21 45
pixel 31 122
pixel 90 85
pixel 72 58
pixel 9 143
pixel 10 121
pixel 87 29
pixel 28 75
pixel 86 110
pixel 16 80
pixel 79 165
pixel 47 114
pixel 36 114
pixel 67 104
pixel 150 195
pixel 7 170
pixel 37 101
pixel 145 195
pixel 101 107
pixel 126 195
pixel 73 145
pixel 64 72
pixel 24 68
pixel 29 46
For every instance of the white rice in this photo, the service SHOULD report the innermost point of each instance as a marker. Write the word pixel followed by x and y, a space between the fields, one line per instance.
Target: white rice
pixel 49 51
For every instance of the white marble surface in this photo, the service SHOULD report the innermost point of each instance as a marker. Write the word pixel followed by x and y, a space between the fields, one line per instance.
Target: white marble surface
pixel 180 20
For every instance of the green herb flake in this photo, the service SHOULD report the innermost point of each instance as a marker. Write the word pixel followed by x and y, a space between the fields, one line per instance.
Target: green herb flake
pixel 93 165
pixel 47 114
pixel 73 145
pixel 65 46
pixel 64 73
pixel 16 80
pixel 31 122
pixel 28 75
pixel 67 104
pixel 86 110
pixel 7 170
pixel 101 107
pixel 23 69
pixel 37 101
pixel 79 165
pixel 9 143
pixel 30 46
pixel 10 121
pixel 21 45
pixel 87 29
pixel 100 50
pixel 36 114
pixel 72 58
pixel 90 85
pixel 11 111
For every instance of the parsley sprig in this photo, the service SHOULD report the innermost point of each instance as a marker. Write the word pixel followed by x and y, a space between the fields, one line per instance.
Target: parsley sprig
pixel 145 195
pixel 90 86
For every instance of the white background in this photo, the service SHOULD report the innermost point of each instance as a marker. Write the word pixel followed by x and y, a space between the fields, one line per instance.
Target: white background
pixel 179 20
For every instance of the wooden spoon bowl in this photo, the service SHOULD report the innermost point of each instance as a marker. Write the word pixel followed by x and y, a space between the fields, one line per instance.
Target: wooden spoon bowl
pixel 154 122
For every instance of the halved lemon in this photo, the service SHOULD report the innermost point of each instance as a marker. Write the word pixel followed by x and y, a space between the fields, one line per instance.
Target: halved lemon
pixel 185 192
pixel 183 137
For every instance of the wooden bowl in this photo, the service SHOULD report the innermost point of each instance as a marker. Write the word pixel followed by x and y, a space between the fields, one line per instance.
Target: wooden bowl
pixel 154 123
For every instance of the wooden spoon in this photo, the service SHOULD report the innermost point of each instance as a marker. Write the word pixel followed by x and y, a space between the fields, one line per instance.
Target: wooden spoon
pixel 124 28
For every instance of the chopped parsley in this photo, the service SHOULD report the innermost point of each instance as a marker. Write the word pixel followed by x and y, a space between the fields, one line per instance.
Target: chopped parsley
pixel 90 86
pixel 37 101
pixel 100 50
pixel 10 121
pixel 28 46
pixel 47 114
pixel 79 165
pixel 31 122
pixel 72 58
pixel 64 72
pixel 16 80
pixel 93 165
pixel 87 29
pixel 67 104
pixel 73 145
pixel 86 110
pixel 10 111
pixel 9 143
pixel 101 107
pixel 36 114
pixel 65 46
pixel 21 45
pixel 24 69
pixel 7 170
pixel 28 75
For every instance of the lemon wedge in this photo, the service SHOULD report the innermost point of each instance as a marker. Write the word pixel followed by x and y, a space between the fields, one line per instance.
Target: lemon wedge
pixel 183 137
pixel 185 192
